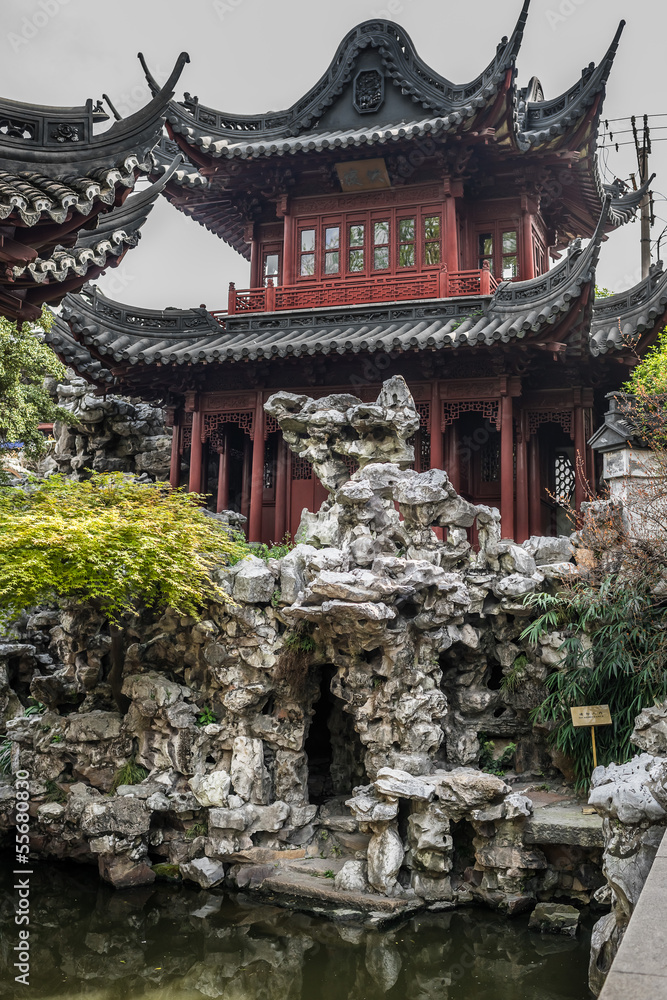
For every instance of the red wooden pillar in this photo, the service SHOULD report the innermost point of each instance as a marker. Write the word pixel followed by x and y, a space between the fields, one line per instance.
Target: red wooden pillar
pixel 280 522
pixel 435 428
pixel 527 259
pixel 535 477
pixel 522 508
pixel 175 464
pixel 454 457
pixel 453 190
pixel 196 449
pixel 507 466
pixel 223 474
pixel 579 456
pixel 257 477
pixel 245 476
pixel 288 248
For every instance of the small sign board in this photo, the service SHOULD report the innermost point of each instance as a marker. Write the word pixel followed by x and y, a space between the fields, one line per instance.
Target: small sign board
pixel 363 175
pixel 591 715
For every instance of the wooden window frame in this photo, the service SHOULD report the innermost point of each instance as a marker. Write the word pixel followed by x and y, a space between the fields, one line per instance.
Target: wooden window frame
pixel 368 218
pixel 496 259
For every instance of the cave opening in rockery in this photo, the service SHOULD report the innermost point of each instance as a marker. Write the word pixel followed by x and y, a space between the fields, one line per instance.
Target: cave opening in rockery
pixel 333 747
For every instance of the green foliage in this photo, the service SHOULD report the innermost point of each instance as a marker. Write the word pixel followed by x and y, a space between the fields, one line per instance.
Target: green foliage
pixel 196 830
pixel 490 763
pixel 25 361
pixel 650 375
pixel 6 745
pixel 515 675
pixel 206 717
pixel 260 549
pixel 602 293
pixel 5 757
pixel 614 652
pixel 54 793
pixel 129 774
pixel 294 661
pixel 329 873
pixel 109 540
pixel 276 597
pixel 172 873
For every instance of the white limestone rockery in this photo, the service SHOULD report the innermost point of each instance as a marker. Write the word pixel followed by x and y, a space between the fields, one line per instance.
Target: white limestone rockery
pixel 333 713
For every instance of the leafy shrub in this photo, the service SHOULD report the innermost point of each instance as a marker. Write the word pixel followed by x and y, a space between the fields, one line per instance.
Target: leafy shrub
pixel 490 763
pixel 109 540
pixel 650 375
pixel 206 717
pixel 614 652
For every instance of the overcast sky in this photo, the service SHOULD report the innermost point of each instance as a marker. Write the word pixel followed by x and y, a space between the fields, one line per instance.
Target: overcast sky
pixel 249 56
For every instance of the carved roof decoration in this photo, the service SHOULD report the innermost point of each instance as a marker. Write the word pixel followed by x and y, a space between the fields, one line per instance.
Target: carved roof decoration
pixel 228 135
pixel 543 123
pixel 59 142
pixel 619 321
pixel 530 310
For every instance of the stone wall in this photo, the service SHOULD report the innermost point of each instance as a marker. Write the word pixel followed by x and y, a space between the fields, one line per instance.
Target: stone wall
pixel 111 434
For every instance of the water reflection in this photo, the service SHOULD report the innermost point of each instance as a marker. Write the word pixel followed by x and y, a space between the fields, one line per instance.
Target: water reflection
pixel 171 942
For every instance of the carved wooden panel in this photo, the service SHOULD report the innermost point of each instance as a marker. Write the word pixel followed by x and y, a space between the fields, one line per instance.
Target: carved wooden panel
pixel 564 418
pixel 489 408
pixel 213 421
pixel 301 468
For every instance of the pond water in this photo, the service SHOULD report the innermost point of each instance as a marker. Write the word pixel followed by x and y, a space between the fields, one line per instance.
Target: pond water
pixel 172 942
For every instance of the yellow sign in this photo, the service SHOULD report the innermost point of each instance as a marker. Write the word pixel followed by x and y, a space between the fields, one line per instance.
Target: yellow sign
pixel 591 715
pixel 363 175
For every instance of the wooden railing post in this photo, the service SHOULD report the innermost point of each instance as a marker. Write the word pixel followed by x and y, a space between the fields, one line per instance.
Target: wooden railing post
pixel 485 280
pixel 270 297
pixel 444 282
pixel 231 299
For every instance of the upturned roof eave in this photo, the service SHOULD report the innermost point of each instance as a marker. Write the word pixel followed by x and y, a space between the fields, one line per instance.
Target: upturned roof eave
pixel 406 69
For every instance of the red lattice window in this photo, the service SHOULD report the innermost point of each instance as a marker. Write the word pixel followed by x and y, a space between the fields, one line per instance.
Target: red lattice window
pixel 301 468
pixel 564 477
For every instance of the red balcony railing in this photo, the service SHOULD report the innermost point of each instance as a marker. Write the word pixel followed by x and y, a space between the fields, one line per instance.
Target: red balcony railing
pixel 441 284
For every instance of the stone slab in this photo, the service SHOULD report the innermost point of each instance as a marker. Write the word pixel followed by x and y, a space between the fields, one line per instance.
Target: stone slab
pixel 639 971
pixel 302 891
pixel 634 986
pixel 561 824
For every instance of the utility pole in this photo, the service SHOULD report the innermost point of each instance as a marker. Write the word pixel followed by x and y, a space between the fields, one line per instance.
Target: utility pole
pixel 643 151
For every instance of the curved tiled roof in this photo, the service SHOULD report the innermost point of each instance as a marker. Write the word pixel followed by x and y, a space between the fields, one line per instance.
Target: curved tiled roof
pixel 516 311
pixel 115 233
pixel 59 143
pixel 541 122
pixel 620 320
pixel 226 135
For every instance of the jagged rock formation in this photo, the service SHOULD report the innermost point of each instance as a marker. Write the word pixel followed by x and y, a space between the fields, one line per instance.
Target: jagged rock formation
pixel 632 799
pixel 337 708
pixel 111 434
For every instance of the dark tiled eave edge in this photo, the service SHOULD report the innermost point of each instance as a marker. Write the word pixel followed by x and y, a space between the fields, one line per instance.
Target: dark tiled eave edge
pixel 116 232
pixel 135 135
pixel 517 311
pixel 619 321
pixel 542 122
pixel 455 104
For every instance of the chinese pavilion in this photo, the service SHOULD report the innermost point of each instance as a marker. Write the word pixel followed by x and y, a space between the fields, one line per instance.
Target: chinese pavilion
pixel 394 223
